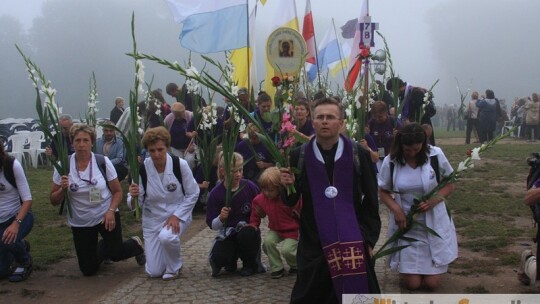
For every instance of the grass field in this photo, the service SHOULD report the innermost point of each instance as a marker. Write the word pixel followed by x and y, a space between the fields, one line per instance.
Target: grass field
pixel 485 204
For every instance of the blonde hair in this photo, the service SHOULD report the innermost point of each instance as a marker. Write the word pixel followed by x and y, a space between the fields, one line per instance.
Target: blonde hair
pixel 236 158
pixel 270 178
pixel 153 135
pixel 81 127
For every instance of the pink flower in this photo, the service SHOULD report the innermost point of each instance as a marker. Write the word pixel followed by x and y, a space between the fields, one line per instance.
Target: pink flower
pixel 287 126
pixel 286 117
pixel 288 142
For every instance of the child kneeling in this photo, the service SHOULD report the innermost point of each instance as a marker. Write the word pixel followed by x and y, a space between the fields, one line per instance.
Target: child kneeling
pixel 283 222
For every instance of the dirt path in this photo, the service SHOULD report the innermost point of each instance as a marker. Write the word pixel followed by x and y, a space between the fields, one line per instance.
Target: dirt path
pixel 64 283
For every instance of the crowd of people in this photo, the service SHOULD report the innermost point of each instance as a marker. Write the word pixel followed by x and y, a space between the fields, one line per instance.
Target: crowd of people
pixel 327 228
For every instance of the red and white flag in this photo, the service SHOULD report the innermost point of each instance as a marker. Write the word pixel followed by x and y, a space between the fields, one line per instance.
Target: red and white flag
pixel 308 32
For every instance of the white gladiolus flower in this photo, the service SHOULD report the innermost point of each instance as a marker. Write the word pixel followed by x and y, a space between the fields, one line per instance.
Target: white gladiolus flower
pixel 192 72
pixel 461 167
pixel 475 155
pixel 139 67
pixel 234 90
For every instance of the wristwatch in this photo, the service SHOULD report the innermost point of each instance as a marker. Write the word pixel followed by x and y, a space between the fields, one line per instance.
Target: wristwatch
pixel 18 220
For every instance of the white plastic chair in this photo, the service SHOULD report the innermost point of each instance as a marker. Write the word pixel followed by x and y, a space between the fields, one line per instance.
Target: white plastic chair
pixel 509 124
pixel 18 141
pixel 35 138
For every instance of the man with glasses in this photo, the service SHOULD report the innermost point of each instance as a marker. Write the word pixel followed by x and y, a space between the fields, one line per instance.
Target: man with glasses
pixel 339 221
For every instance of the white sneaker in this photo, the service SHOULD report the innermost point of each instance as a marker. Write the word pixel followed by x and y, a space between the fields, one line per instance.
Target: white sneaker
pixel 522 276
pixel 170 276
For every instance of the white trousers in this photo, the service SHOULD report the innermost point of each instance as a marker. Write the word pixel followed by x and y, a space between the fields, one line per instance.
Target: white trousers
pixel 162 250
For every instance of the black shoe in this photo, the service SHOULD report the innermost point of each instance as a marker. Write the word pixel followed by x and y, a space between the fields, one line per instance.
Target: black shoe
pixel 246 272
pixel 215 270
pixel 277 274
pixel 140 258
pixel 293 271
pixel 231 268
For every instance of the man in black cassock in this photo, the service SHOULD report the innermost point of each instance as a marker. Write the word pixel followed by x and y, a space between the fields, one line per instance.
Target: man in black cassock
pixel 339 222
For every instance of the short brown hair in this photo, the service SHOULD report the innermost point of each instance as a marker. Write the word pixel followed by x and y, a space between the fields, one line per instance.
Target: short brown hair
pixel 153 135
pixel 82 127
pixel 378 107
pixel 329 101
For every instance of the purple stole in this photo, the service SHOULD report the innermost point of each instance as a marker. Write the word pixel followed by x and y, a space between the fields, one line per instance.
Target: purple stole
pixel 339 232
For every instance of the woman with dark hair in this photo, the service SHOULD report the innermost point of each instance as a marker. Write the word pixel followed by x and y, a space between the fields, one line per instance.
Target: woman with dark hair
pixel 16 219
pixel 489 110
pixel 304 126
pixel 409 172
pixel 95 194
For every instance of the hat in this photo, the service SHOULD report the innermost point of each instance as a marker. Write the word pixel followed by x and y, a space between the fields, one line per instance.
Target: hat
pixel 178 107
pixel 242 91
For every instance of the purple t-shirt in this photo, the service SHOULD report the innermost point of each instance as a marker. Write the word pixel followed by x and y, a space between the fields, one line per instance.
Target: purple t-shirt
pixel 179 139
pixel 383 133
pixel 251 171
pixel 240 203
pixel 307 129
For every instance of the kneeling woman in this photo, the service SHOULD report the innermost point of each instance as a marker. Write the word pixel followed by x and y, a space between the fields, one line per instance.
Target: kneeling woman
pixel 93 208
pixel 411 170
pixel 167 201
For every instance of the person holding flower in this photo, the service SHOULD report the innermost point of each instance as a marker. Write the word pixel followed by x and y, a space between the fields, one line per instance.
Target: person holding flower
pixel 263 114
pixel 167 203
pixel 235 239
pixel 283 223
pixel 382 128
pixel 339 221
pixel 411 170
pixel 254 152
pixel 93 209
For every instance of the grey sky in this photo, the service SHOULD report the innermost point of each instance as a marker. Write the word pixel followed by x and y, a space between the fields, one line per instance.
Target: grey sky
pixel 485 44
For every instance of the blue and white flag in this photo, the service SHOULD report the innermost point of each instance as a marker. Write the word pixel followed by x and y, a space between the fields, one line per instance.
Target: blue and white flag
pixel 211 26
pixel 328 53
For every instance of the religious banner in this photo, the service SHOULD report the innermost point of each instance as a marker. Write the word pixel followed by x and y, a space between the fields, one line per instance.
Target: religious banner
pixel 286 51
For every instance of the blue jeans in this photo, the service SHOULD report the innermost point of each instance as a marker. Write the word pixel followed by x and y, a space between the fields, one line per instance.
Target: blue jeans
pixel 15 251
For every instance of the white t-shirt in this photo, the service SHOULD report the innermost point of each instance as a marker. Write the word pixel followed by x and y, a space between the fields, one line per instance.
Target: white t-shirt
pixel 85 213
pixel 9 195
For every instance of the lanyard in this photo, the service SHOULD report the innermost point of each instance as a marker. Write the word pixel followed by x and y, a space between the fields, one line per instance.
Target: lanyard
pixel 91 181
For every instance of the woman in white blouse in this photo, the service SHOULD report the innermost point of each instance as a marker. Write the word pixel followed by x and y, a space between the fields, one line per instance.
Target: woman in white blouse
pixel 94 200
pixel 410 172
pixel 167 203
pixel 16 220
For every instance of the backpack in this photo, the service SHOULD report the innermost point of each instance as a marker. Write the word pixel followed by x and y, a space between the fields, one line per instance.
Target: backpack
pixel 534 174
pixel 176 170
pixel 7 166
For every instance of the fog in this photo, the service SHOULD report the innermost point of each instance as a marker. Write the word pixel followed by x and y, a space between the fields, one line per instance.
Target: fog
pixel 483 44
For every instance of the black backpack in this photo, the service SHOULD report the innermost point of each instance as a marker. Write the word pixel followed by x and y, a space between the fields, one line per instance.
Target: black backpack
pixel 7 166
pixel 176 170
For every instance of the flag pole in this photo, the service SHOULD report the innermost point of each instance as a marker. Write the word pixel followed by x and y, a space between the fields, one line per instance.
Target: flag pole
pixel 339 49
pixel 247 53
